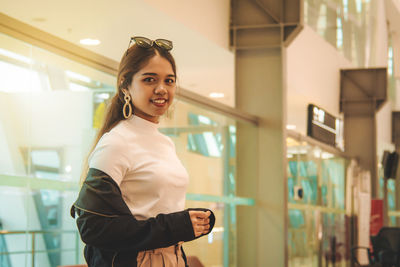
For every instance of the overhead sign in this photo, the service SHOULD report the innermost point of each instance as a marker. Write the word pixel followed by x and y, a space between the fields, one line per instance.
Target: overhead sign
pixel 325 127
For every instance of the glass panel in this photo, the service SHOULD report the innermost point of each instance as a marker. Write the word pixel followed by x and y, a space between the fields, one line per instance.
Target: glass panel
pixel 13 218
pixel 302 173
pixel 65 254
pixel 45 136
pixel 391 188
pixel 50 107
pixel 206 144
pixel 302 238
pixel 333 181
pixel 348 25
pixel 391 196
pixel 32 218
pixel 334 245
pixel 209 249
pixel 317 239
pixel 316 181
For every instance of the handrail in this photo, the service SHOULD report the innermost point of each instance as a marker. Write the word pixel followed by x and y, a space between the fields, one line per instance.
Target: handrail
pixel 33 251
pixel 301 206
pixel 330 149
pixel 394 213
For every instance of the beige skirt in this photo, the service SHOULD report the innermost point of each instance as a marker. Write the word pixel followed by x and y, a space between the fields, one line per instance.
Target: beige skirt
pixel 161 257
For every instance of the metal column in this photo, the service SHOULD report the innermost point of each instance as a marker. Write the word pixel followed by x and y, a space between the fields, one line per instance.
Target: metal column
pixel 362 94
pixel 260 31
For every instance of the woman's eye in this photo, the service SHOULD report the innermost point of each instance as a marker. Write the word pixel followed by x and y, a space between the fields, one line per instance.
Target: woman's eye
pixel 149 79
pixel 170 81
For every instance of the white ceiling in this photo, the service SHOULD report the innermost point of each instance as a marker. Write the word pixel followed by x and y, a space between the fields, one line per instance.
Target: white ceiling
pixel 199 32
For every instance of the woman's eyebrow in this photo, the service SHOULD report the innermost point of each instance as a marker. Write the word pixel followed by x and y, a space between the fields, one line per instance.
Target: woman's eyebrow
pixel 155 74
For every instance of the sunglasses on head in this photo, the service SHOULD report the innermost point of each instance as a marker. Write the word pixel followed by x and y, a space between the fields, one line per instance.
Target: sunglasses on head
pixel 147 43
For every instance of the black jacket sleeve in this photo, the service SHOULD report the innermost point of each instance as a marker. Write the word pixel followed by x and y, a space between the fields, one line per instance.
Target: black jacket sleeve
pixel 106 222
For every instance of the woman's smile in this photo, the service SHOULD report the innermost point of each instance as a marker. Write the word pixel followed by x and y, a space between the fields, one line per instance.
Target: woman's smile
pixel 153 89
pixel 159 102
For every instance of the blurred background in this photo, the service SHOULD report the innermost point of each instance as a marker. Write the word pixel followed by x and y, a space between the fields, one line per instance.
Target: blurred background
pixel 285 110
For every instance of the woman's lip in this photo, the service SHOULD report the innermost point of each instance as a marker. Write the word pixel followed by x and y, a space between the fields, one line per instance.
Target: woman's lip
pixel 159 104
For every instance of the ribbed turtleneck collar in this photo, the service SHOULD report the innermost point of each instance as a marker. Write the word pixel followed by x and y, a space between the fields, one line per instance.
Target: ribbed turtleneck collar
pixel 140 123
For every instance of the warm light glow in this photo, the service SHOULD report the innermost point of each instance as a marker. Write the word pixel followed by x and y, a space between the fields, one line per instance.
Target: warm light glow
pixel 326 155
pixel 290 127
pixel 15 56
pixel 218 229
pixel 78 76
pixel 89 41
pixel 104 96
pixel 68 168
pixel 217 95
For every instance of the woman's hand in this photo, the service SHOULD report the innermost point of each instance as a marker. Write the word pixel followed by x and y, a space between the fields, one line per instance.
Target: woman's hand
pixel 200 222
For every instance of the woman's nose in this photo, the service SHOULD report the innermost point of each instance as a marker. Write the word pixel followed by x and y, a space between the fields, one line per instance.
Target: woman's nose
pixel 160 89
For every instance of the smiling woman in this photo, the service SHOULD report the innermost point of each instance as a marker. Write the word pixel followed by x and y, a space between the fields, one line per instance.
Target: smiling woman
pixel 131 205
pixel 59 104
pixel 153 89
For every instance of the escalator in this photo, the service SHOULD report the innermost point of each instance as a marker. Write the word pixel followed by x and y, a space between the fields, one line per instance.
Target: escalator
pixel 45 164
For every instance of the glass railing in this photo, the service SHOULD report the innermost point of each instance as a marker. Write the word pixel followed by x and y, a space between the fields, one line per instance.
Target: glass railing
pixel 4 254
pixel 35 253
pixel 318 226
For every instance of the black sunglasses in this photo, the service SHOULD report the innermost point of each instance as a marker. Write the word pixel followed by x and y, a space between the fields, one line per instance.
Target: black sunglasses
pixel 147 43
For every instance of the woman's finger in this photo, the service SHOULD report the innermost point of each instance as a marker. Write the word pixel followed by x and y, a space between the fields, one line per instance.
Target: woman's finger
pixel 196 213
pixel 200 214
pixel 205 222
pixel 205 215
pixel 199 231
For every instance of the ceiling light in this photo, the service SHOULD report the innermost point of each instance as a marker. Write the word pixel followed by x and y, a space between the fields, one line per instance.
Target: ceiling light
pixel 290 127
pixel 68 168
pixel 89 41
pixel 216 95
pixel 103 96
pixel 15 56
pixel 78 76
pixel 39 19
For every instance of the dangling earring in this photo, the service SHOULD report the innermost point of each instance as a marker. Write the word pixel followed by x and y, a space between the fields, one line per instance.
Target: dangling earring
pixel 127 99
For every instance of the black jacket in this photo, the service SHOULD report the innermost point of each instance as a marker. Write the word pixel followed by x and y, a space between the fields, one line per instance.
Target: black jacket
pixel 112 235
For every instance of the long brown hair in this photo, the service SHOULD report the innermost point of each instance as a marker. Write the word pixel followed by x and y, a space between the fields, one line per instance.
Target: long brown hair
pixel 134 59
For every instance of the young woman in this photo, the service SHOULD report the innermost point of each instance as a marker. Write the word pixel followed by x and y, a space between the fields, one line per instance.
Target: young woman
pixel 131 205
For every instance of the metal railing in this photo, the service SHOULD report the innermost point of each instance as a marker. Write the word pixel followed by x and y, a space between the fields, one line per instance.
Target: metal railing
pixel 33 250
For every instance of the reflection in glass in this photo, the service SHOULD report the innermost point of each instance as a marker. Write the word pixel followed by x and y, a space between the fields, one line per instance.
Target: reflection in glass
pixel 209 249
pixel 316 237
pixel 348 25
pixel 206 144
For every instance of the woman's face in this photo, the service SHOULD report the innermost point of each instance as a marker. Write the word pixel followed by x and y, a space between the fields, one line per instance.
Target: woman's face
pixel 153 89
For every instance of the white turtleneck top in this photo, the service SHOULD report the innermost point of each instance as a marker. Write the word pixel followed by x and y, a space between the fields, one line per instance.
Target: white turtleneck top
pixel 143 162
